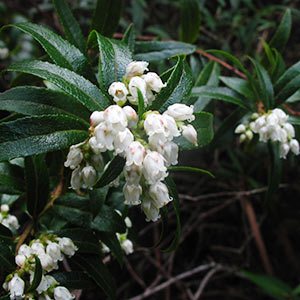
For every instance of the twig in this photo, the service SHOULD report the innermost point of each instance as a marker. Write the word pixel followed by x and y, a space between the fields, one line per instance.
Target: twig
pixel 24 235
pixel 139 280
pixel 169 282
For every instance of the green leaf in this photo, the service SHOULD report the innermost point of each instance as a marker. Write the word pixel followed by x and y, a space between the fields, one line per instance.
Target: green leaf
pixel 266 88
pixel 34 101
pixel 6 258
pixel 98 272
pixel 113 170
pixel 220 93
pixel 38 272
pixel 70 25
pixel 283 32
pixel 108 220
pixel 35 135
pixel 112 242
pixel 288 90
pixel 296 290
pixel 189 20
pixel 37 184
pixel 156 51
pixel 84 239
pixel 270 285
pixel 97 199
pixel 7 297
pixel 113 60
pixel 61 51
pixel 12 176
pixel 106 16
pixel 295 120
pixel 203 124
pixel 141 104
pixel 287 77
pixel 190 169
pixel 71 83
pixel 178 87
pixel 5 233
pixel 129 37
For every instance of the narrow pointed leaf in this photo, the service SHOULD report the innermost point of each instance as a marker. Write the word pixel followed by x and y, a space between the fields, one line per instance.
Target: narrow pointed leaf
pixel 37 277
pixel 106 16
pixel 97 199
pixel 141 104
pixel 12 176
pixel 129 37
pixel 71 83
pixel 288 90
pixel 190 169
pixel 71 27
pixel 35 135
pixel 287 77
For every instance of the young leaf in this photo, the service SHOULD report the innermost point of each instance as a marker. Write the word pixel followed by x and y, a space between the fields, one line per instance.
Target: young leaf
pixel 70 25
pixel 190 169
pixel 12 176
pixel 34 101
pixel 38 272
pixel 129 37
pixel 37 184
pixel 35 135
pixel 106 16
pixel 178 87
pixel 155 51
pixel 71 83
pixel 113 60
pixel 61 51
pixel 189 20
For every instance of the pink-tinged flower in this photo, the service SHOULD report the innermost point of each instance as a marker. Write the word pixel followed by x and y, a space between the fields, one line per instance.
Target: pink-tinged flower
pixel 104 137
pixel 169 150
pixel 134 84
pixel 190 133
pixel 119 92
pixel 181 112
pixel 136 68
pixel 96 118
pixel 154 169
pixel 154 82
pixel 159 194
pixel 122 141
pixel 115 118
pixel 135 154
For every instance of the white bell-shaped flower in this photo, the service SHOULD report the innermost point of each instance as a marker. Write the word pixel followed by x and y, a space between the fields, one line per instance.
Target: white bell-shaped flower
pixel 169 150
pixel 97 162
pixel 136 68
pixel 159 194
pixel 154 124
pixel 154 168
pixel 289 128
pixel 272 120
pixel 263 134
pixel 96 148
pixel 115 118
pixel 133 174
pixel 284 150
pixel 171 128
pixel 149 96
pixel 11 222
pixel 280 114
pixel 249 135
pixel 89 176
pixel 134 84
pixel 54 251
pixel 127 246
pixel 76 179
pixel 62 293
pixel 96 118
pixel 130 113
pixel 190 133
pixel 38 248
pixel 47 262
pixel 259 123
pixel 104 137
pixel 132 193
pixel 122 141
pixel 240 129
pixel 4 208
pixel 294 145
pixel 74 158
pixel 151 212
pixel 181 112
pixel 119 92
pixel 67 246
pixel 47 281
pixel 16 287
pixel 154 82
pixel 20 260
pixel 135 154
pixel 25 250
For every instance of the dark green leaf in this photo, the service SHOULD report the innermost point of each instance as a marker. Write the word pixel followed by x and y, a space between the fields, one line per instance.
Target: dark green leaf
pixel 5 233
pixel 155 51
pixel 106 16
pixel 220 93
pixel 35 135
pixel 6 258
pixel 189 20
pixel 70 25
pixel 287 77
pixel 113 170
pixel 7 297
pixel 279 67
pixel 141 104
pixel 283 32
pixel 12 176
pixel 37 184
pixel 61 51
pixel 178 87
pixel 190 169
pixel 129 37
pixel 35 101
pixel 296 290
pixel 97 199
pixel 288 90
pixel 71 83
pixel 203 124
pixel 84 239
pixel 38 272
pixel 108 220
pixel 295 120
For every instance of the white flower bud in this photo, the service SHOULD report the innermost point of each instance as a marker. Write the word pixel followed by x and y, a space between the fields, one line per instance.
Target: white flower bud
pixel 96 118
pixel 76 179
pixel 136 68
pixel 95 146
pixel 159 194
pixel 53 250
pixel 16 287
pixel 4 208
pixel 47 262
pixel 11 222
pixel 240 129
pixel 46 282
pixel 115 118
pixel 4 53
pixel 154 168
pixel 25 250
pixel 135 154
pixel 249 135
pixel 67 246
pixel 119 91
pixel 127 246
pixel 154 82
pixel 74 158
pixel 97 162
pixel 89 176
pixel 20 260
pixel 181 112
pixel 37 248
pixel 128 222
pixel 137 82
pixel 259 123
pixel 263 134
pixel 282 117
pixel 130 113
pixel 151 212
pixel 190 133
pixel 294 146
pixel 284 150
pixel 62 293
pixel 132 194
pixel 254 116
pixel 122 141
pixel 289 128
pixel 243 137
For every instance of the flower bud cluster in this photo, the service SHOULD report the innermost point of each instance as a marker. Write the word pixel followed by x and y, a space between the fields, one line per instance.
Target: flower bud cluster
pixel 49 249
pixel 271 126
pixel 134 78
pixel 7 219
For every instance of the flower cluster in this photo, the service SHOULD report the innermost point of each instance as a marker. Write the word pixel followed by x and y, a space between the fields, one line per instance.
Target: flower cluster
pixel 7 219
pixel 49 249
pixel 146 144
pixel 271 126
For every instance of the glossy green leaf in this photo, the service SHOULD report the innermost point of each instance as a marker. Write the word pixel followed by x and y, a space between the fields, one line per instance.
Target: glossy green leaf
pixel 111 241
pixel 113 60
pixel 97 199
pixel 70 25
pixel 141 104
pixel 189 20
pixel 283 32
pixel 279 67
pixel 37 277
pixel 106 16
pixel 203 124
pixel 5 233
pixel 178 87
pixel 129 38
pixel 155 51
pixel 288 90
pixel 108 221
pixel 12 176
pixel 220 93
pixel 61 51
pixel 71 83
pixel 35 135
pixel 287 77
pixel 6 258
pixel 34 101
pixel 113 170
pixel 190 169
pixel 37 184
pixel 98 272
pixel 84 239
